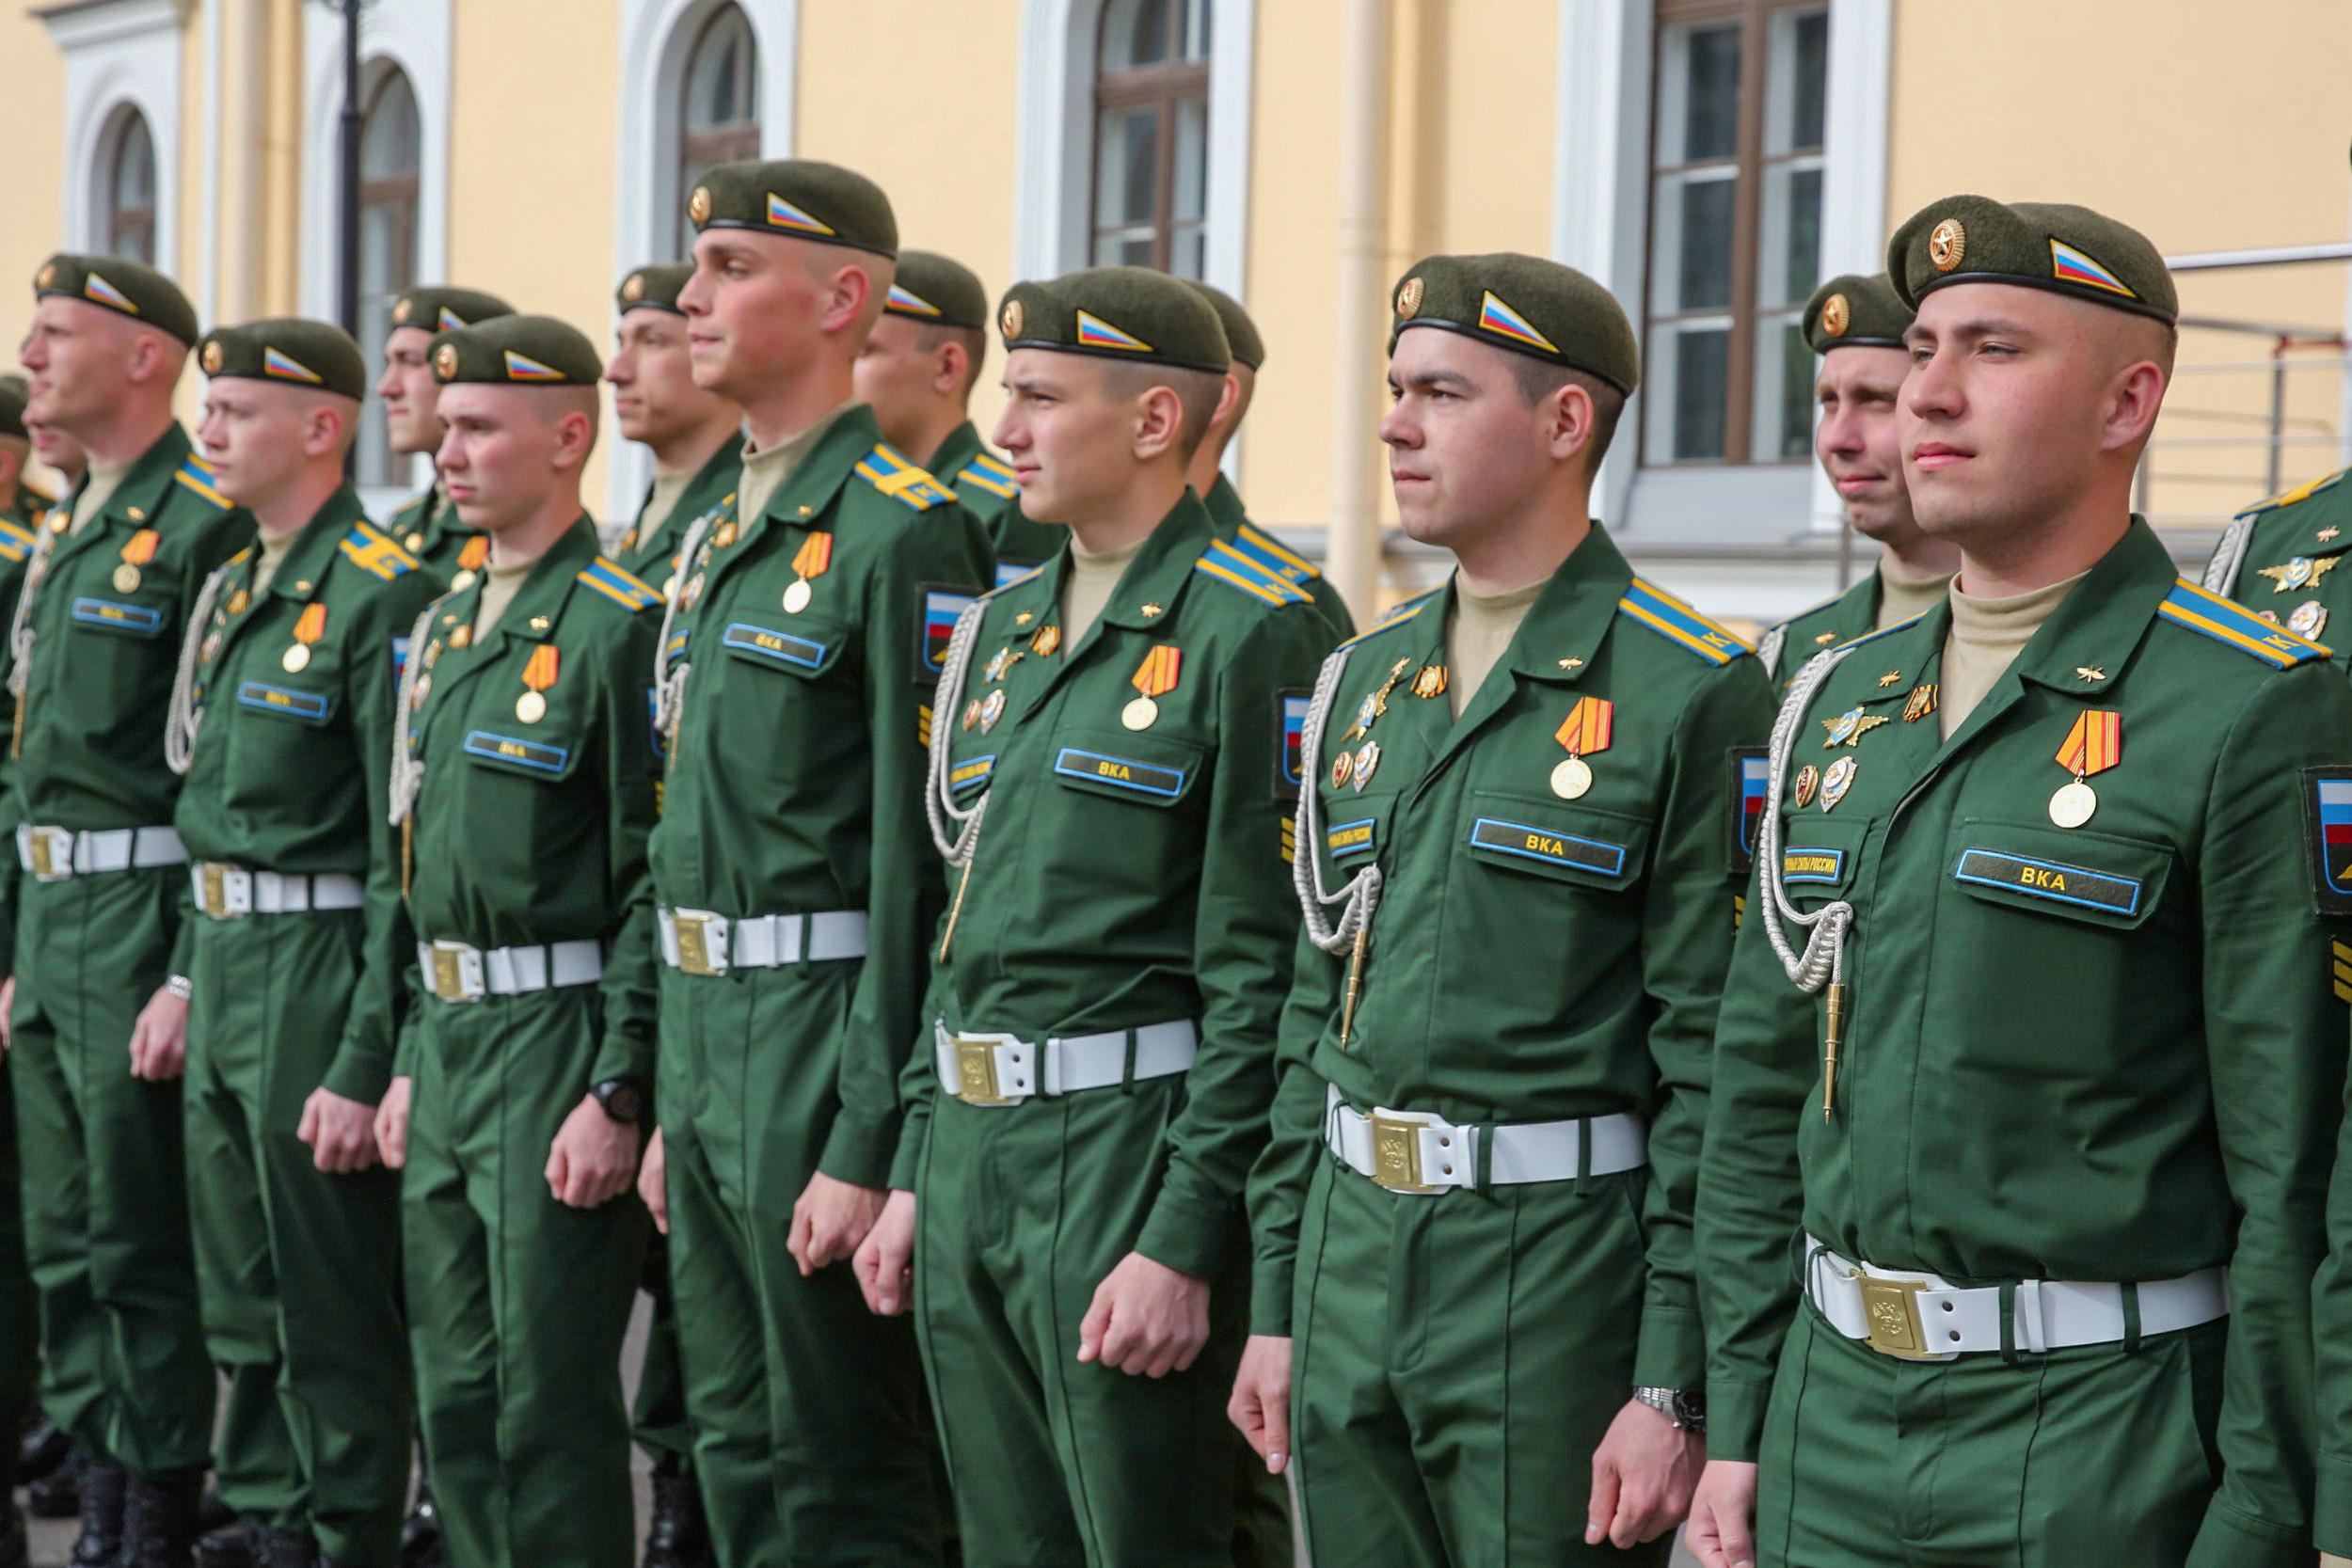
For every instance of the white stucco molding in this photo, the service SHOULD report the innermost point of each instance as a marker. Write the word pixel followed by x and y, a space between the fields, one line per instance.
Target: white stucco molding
pixel 119 55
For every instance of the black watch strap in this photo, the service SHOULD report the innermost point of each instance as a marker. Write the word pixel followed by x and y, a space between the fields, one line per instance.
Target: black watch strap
pixel 623 1099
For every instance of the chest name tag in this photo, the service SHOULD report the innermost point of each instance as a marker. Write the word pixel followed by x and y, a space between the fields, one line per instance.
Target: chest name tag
pixel 783 647
pixel 1550 848
pixel 127 617
pixel 527 754
pixel 279 699
pixel 1143 778
pixel 1347 840
pixel 968 775
pixel 2059 883
pixel 1813 865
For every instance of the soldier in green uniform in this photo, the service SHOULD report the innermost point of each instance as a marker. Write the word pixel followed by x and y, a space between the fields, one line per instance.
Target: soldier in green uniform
pixel 1208 478
pixel 20 1309
pixel 1474 1282
pixel 2029 1066
pixel 1107 980
pixel 428 527
pixel 2279 558
pixel 792 872
pixel 1855 325
pixel 525 792
pixel 282 727
pixel 918 371
pixel 696 438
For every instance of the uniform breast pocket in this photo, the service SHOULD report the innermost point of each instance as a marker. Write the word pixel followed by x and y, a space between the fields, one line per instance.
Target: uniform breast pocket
pixel 1516 840
pixel 776 665
pixel 293 704
pixel 119 648
pixel 1819 858
pixel 516 790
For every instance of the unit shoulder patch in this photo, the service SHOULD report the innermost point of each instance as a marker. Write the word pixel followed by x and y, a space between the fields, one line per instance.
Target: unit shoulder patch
pixel 2327 837
pixel 2297 495
pixel 894 476
pixel 2228 622
pixel 1679 623
pixel 378 553
pixel 609 581
pixel 1238 570
pixel 1751 782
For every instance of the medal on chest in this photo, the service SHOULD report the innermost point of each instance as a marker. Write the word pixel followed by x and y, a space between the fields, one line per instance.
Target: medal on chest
pixel 307 628
pixel 812 560
pixel 1586 732
pixel 539 674
pixel 136 552
pixel 2095 745
pixel 1154 678
pixel 469 560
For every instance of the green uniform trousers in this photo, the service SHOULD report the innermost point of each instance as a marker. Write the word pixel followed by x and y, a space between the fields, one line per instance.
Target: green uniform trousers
pixel 1022 1211
pixel 105 1183
pixel 1458 1359
pixel 2095 1454
pixel 810 1440
pixel 659 1415
pixel 517 1304
pixel 299 1271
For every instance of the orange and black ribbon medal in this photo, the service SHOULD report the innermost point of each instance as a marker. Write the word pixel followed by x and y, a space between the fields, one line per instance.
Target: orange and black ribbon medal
pixel 1585 732
pixel 539 673
pixel 811 561
pixel 2095 745
pixel 469 560
pixel 1154 677
pixel 309 627
pixel 136 552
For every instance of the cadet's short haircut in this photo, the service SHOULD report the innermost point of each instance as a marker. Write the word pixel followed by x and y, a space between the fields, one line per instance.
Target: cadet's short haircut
pixel 975 342
pixel 1539 380
pixel 1197 391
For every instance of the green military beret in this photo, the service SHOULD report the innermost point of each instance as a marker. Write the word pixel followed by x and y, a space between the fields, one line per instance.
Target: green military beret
pixel 290 350
pixel 518 350
pixel 1241 333
pixel 2068 250
pixel 14 392
pixel 654 288
pixel 798 198
pixel 938 292
pixel 1118 313
pixel 1855 311
pixel 120 286
pixel 442 310
pixel 1525 304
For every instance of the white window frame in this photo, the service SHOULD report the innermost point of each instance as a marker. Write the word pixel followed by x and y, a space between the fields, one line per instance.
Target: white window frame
pixel 655 38
pixel 415 37
pixel 119 54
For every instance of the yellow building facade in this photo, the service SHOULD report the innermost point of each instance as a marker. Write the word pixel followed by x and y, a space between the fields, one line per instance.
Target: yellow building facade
pixel 1710 160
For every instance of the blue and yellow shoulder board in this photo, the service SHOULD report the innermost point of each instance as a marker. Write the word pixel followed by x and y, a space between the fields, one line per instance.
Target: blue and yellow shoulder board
pixel 1679 623
pixel 2225 620
pixel 607 578
pixel 196 475
pixel 894 476
pixel 1882 631
pixel 1400 612
pixel 2302 492
pixel 15 543
pixel 991 475
pixel 371 550
pixel 1274 555
pixel 1013 582
pixel 1236 569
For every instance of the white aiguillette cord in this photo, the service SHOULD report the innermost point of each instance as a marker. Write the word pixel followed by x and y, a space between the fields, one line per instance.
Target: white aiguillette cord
pixel 182 719
pixel 1824 960
pixel 1351 932
pixel 955 832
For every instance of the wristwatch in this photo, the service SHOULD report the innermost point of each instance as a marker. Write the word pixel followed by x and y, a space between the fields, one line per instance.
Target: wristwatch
pixel 180 986
pixel 623 1099
pixel 1686 1411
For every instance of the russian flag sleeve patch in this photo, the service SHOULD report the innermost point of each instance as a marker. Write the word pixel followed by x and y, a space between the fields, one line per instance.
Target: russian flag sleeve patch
pixel 2327 829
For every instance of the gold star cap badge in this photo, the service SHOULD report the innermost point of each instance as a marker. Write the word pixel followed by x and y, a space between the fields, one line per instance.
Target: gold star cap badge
pixel 1408 299
pixel 1010 318
pixel 634 289
pixel 1947 245
pixel 48 276
pixel 212 359
pixel 1836 315
pixel 698 205
pixel 445 360
pixel 401 311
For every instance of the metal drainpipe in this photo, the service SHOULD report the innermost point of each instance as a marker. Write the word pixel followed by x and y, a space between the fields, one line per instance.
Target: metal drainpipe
pixel 1353 549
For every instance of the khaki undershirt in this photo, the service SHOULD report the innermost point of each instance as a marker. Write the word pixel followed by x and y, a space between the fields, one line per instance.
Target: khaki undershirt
pixel 97 493
pixel 1477 635
pixel 667 488
pixel 272 555
pixel 766 470
pixel 1902 598
pixel 1984 639
pixel 498 586
pixel 1086 587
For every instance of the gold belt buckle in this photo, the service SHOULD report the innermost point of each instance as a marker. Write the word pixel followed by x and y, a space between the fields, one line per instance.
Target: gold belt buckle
pixel 449 982
pixel 43 865
pixel 694 945
pixel 1891 1309
pixel 213 882
pixel 1397 1154
pixel 975 1072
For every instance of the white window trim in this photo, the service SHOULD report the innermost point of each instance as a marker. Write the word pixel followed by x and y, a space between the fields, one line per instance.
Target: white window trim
pixel 655 35
pixel 1054 149
pixel 415 36
pixel 1600 217
pixel 118 53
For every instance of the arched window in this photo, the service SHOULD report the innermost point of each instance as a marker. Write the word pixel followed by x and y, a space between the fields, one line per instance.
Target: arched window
pixel 391 154
pixel 129 190
pixel 1152 135
pixel 721 104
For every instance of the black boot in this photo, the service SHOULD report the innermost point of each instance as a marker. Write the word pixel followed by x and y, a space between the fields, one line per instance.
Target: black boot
pixel 100 1545
pixel 232 1545
pixel 283 1549
pixel 58 1493
pixel 214 1513
pixel 45 1448
pixel 421 1534
pixel 678 1535
pixel 159 1521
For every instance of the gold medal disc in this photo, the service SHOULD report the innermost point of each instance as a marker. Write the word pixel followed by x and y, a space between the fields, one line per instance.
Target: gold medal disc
pixel 1141 714
pixel 797 596
pixel 1572 778
pixel 2071 806
pixel 296 659
pixel 530 707
pixel 416 544
pixel 460 582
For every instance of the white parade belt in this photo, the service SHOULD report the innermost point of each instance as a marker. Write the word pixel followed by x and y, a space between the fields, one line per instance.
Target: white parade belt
pixel 981 1069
